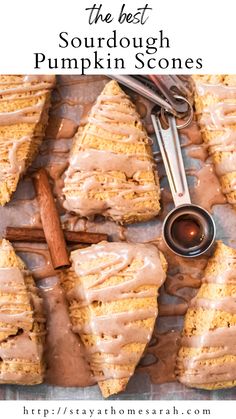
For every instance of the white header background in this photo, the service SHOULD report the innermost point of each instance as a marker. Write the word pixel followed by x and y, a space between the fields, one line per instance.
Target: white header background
pixel 202 28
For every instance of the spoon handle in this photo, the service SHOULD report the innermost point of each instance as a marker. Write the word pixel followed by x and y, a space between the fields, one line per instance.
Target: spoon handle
pixel 169 144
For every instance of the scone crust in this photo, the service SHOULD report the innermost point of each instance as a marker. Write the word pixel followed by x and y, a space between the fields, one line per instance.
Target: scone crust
pixel 113 373
pixel 215 103
pixel 21 340
pixel 208 315
pixel 24 105
pixel 112 171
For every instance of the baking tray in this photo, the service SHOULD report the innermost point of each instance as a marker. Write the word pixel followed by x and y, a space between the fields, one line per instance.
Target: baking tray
pixel 72 99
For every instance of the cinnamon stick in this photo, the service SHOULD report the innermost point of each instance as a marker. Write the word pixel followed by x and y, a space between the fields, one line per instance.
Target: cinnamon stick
pixel 50 221
pixel 36 235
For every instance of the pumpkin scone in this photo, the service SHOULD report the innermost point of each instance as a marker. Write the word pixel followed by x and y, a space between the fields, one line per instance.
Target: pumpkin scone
pixel 22 322
pixel 112 290
pixel 24 104
pixel 207 357
pixel 111 170
pixel 215 102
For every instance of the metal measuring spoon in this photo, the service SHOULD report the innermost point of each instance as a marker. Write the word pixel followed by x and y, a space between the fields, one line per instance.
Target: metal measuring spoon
pixel 188 230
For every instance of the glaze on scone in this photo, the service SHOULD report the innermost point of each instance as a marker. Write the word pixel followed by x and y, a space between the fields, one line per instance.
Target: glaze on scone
pixel 111 170
pixel 215 102
pixel 207 358
pixel 112 291
pixel 22 322
pixel 24 103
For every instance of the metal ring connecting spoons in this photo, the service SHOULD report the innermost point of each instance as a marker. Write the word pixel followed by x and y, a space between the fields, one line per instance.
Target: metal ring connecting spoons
pixel 188 230
pixel 189 116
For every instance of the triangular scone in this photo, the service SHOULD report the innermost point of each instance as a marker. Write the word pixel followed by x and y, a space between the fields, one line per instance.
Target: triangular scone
pixel 24 103
pixel 111 170
pixel 207 358
pixel 112 291
pixel 215 102
pixel 22 323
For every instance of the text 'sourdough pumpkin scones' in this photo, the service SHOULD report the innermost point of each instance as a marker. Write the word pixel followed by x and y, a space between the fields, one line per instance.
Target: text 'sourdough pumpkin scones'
pixel 22 322
pixel 111 170
pixel 24 103
pixel 207 357
pixel 112 290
